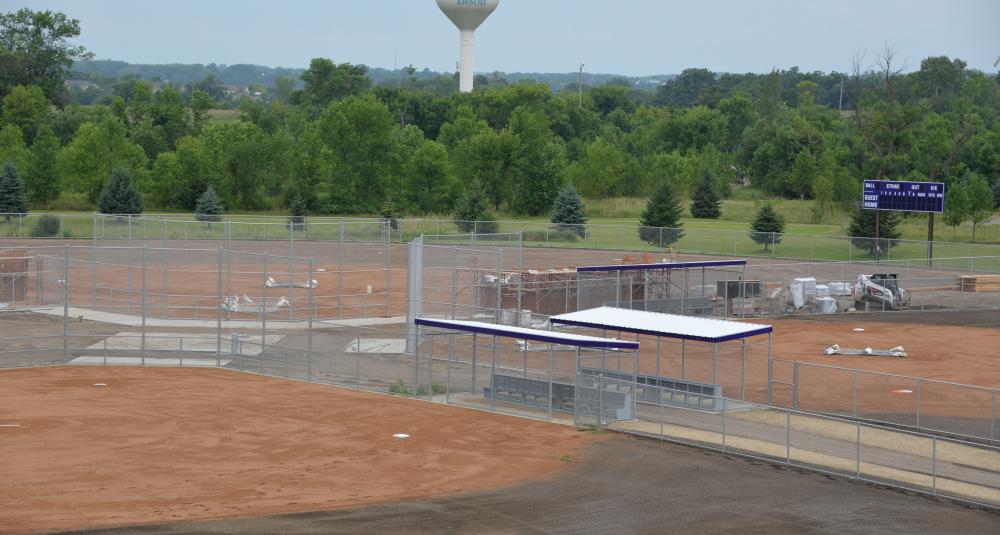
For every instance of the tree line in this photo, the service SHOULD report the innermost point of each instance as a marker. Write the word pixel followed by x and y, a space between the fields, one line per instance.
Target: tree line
pixel 335 142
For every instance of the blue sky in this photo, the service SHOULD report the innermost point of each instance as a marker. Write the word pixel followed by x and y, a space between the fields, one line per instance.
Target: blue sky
pixel 624 37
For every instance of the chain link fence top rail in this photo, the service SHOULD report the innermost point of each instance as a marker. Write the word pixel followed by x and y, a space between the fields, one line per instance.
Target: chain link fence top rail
pixel 535 233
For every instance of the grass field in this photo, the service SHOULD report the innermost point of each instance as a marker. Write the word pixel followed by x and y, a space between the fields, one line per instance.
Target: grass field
pixel 823 241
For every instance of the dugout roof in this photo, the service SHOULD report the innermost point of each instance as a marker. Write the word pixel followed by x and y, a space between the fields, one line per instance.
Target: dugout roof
pixel 521 333
pixel 662 265
pixel 658 324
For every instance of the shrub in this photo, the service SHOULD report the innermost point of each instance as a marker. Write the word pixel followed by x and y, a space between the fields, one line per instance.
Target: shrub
pixel 550 236
pixel 47 226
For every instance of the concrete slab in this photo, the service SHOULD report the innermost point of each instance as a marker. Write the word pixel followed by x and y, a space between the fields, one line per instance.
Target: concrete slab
pixel 200 343
pixel 377 345
pixel 136 321
pixel 152 361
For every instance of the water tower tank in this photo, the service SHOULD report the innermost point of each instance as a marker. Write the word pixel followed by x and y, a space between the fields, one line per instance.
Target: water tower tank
pixel 467 15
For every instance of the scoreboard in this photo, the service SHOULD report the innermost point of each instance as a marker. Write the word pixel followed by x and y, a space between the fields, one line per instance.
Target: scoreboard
pixel 903 196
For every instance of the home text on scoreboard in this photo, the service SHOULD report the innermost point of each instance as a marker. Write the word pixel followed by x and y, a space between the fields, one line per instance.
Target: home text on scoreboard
pixel 903 196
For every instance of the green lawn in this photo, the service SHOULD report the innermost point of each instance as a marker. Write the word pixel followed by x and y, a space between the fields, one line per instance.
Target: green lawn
pixel 806 241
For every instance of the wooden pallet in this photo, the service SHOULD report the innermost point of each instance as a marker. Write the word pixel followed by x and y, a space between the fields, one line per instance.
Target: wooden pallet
pixel 978 283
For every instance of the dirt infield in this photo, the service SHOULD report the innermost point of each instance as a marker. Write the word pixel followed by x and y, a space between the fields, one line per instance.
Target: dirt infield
pixel 954 353
pixel 158 445
pixel 629 485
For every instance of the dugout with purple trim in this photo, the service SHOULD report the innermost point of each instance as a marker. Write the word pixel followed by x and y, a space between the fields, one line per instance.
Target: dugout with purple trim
pixel 716 358
pixel 700 288
pixel 525 372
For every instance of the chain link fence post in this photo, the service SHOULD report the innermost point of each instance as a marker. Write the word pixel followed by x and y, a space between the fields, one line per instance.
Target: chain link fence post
pixel 340 274
pixel 309 327
pixel 165 297
pixel 93 274
pixel 66 304
pixel 142 331
pixel 218 310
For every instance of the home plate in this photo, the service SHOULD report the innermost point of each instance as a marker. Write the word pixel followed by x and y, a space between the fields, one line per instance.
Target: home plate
pixel 152 361
pixel 377 345
pixel 401 435
pixel 903 391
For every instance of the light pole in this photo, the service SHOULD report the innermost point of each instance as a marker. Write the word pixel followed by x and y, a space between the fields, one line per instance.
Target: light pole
pixel 579 86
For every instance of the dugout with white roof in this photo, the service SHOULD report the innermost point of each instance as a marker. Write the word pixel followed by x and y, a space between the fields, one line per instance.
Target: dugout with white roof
pixel 528 370
pixel 683 328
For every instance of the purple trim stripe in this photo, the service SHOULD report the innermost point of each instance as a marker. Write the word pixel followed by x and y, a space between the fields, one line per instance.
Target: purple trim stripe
pixel 663 265
pixel 575 340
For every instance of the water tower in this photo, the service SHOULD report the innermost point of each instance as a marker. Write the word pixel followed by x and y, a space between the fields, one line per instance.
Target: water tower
pixel 467 15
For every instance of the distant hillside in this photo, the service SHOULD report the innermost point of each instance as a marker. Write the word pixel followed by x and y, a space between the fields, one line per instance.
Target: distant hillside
pixel 245 74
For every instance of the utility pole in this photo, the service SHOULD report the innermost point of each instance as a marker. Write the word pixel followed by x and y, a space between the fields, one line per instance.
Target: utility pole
pixel 579 86
pixel 840 105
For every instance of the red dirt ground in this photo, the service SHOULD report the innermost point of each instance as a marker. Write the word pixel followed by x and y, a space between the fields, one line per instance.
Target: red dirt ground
pixel 159 445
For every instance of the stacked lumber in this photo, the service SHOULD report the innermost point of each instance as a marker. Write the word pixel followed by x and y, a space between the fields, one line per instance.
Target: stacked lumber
pixel 978 283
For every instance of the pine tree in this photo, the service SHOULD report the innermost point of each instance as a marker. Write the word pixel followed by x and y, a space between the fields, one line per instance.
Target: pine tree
pixel 661 220
pixel 705 203
pixel 862 230
pixel 208 207
pixel 567 212
pixel 119 195
pixel 12 199
pixel 768 227
pixel 298 209
pixel 389 214
pixel 472 214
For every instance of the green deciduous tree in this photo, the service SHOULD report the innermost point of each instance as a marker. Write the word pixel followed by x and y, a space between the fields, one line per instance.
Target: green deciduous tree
pixel 361 152
pixel 201 103
pixel 981 201
pixel 540 163
pixel 603 171
pixel 208 207
pixel 431 184
pixel 12 147
pixel 568 213
pixel 661 220
pixel 119 196
pixel 27 108
pixel 326 81
pixel 42 182
pixel 36 50
pixel 768 226
pixel 705 203
pixel 956 205
pixel 12 199
pixel 96 150
pixel 489 158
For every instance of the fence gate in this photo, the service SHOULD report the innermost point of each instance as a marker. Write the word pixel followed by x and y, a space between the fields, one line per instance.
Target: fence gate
pixel 605 388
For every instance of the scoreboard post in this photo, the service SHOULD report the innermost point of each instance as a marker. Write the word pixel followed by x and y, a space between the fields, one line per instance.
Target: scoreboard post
pixel 903 196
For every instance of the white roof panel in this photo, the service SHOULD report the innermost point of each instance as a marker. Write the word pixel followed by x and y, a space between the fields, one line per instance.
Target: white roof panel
pixel 658 324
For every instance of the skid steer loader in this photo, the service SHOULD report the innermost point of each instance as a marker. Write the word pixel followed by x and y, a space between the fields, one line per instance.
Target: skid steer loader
pixel 880 291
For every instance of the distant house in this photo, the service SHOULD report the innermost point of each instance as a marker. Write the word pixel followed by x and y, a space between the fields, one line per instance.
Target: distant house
pixel 82 85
